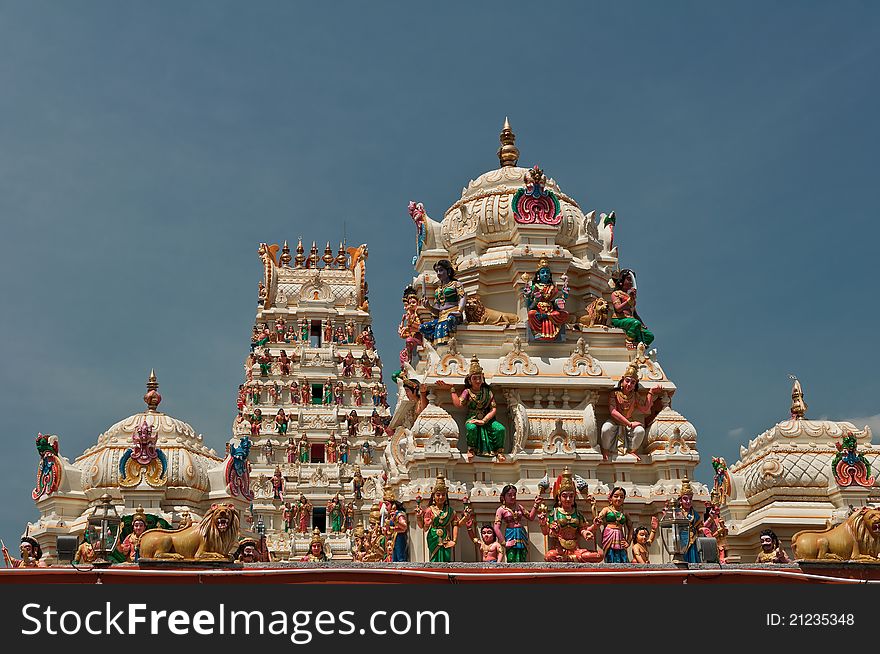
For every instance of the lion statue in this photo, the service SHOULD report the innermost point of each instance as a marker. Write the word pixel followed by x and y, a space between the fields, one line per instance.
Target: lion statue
pixel 856 539
pixel 479 314
pixel 212 539
pixel 597 314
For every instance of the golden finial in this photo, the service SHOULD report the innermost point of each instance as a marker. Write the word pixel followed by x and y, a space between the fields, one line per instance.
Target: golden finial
pixel 341 259
pixel 152 397
pixel 798 406
pixel 508 154
pixel 328 255
pixel 313 256
pixel 285 255
pixel 300 256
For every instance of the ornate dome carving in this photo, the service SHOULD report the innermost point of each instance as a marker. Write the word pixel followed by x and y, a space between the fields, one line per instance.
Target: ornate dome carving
pixel 670 429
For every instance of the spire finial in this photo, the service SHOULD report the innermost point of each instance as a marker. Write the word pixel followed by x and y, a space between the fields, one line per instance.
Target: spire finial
pixel 152 397
pixel 300 254
pixel 798 406
pixel 508 154
pixel 285 255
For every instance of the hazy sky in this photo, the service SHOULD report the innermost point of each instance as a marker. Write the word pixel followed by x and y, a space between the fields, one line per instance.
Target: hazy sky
pixel 146 150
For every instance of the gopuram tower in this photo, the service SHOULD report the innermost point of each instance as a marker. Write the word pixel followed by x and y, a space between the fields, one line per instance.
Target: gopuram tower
pixel 313 409
pixel 525 293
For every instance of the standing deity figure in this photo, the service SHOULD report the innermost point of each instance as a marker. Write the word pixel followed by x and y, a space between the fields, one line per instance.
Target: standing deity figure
pixel 304 513
pixel 642 540
pixel 485 435
pixel 720 480
pixel 274 392
pixel 615 528
pixel 408 329
pixel 305 392
pixel 317 551
pixel 278 484
pixel 328 393
pixel 623 299
pixel 255 337
pixel 279 329
pixel 440 523
pixel 366 453
pixel 288 516
pixel 374 391
pixel 348 365
pixel 31 553
pixel 771 550
pixel 624 404
pixel 343 450
pixel 332 450
pixel 256 422
pixel 448 306
pixel 130 546
pixel 349 516
pixel 383 396
pixel 304 449
pixel 366 366
pixel 357 483
pixel 241 399
pixel 695 522
pixel 294 392
pixel 545 304
pixel 339 393
pixel 256 393
pixel 262 336
pixel 358 394
pixel 420 218
pixel 304 331
pixel 336 513
pixel 292 450
pixel 565 523
pixel 265 361
pixel 328 331
pixel 268 450
pixel 510 527
pixel 349 331
pixel 284 363
pixel 392 520
pixel 367 339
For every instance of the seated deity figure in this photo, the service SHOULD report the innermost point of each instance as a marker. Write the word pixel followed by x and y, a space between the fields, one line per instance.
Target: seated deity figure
pixel 545 304
pixel 624 405
pixel 485 435
pixel 448 306
pixel 408 329
pixel 623 299
pixel 565 523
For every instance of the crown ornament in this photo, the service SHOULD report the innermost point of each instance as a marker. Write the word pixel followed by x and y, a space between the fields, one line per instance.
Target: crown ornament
pixel 476 368
pixel 686 487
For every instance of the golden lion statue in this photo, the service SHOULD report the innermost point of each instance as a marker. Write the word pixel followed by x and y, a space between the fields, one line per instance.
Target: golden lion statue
pixel 213 539
pixel 856 539
pixel 597 314
pixel 476 312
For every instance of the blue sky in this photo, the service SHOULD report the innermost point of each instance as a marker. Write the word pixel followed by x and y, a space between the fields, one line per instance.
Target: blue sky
pixel 146 149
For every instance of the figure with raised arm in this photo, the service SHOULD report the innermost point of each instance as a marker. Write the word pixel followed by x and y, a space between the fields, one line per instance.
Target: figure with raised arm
pixel 629 414
pixel 771 550
pixel 31 553
pixel 491 551
pixel 642 540
pixel 510 527
pixel 545 304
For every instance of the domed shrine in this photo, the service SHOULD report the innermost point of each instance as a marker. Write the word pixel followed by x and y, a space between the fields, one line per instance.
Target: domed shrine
pixel 524 357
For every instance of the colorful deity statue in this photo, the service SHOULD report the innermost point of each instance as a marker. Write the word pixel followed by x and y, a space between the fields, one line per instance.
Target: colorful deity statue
pixel 358 394
pixel 336 513
pixel 305 392
pixel 366 452
pixel 262 336
pixel 331 451
pixel 268 450
pixel 642 540
pixel 415 391
pixel 485 435
pixel 392 520
pixel 284 362
pixel 615 528
pixel 420 218
pixel 49 468
pixel 771 550
pixel 292 450
pixel 350 331
pixel 343 449
pixel 623 300
pixel 624 428
pixel 565 523
pixel 328 331
pixel 294 392
pixel 304 513
pixel 238 467
pixel 720 480
pixel 279 329
pixel 304 449
pixel 491 551
pixel 357 483
pixel 304 331
pixel 31 553
pixel 339 393
pixel 143 461
pixel 695 522
pixel 256 421
pixel 352 420
pixel 714 527
pixel 85 553
pixel 450 299
pixel 281 422
pixel 256 392
pixel 328 393
pixel 317 551
pixel 510 527
pixel 408 329
pixel 278 484
pixel 374 392
pixel 130 546
pixel 348 363
pixel 383 396
pixel 265 360
pixel 288 516
pixel 850 467
pixel 339 335
pixel 440 522
pixel 291 335
pixel 366 366
pixel 545 305
pixel 247 551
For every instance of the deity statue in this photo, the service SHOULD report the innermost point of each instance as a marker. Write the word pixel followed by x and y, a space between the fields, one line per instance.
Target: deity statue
pixel 316 548
pixel 49 469
pixel 304 449
pixel 328 393
pixel 615 527
pixel 624 403
pixel 238 467
pixel 331 450
pixel 357 393
pixel 440 522
pixel 288 516
pixel 343 449
pixel 349 331
pixel 241 399
pixel 623 299
pixel 265 361
pixel 392 520
pixel 336 513
pixel 485 435
pixel 695 522
pixel 292 450
pixel 850 467
pixel 284 363
pixel 721 479
pixel 247 551
pixel 352 420
pixel 349 517
pixel 130 547
pixel 31 553
pixel 545 304
pixel 291 336
pixel 564 523
pixel 771 550
pixel 383 396
pixel 714 527
pixel 357 483
pixel 448 306
pixel 85 553
pixel 304 512
pixel 262 336
pixel 256 393
pixel 408 329
pixel 279 329
pixel 642 540
pixel 366 366
pixel 281 422
pixel 374 391
pixel 339 393
pixel 491 551
pixel 304 331
pixel 366 452
pixel 274 392
pixel 510 528
pixel 294 392
pixel 415 391
pixel 278 484
pixel 348 365
pixel 328 331
pixel 306 392
pixel 256 422
pixel 420 218
pixel 269 450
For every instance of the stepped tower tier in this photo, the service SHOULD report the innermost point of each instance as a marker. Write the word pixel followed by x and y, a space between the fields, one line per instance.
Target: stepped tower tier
pixel 524 355
pixel 313 402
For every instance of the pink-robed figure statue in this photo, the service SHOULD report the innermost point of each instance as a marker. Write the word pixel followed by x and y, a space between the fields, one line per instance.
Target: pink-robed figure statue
pixel 565 523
